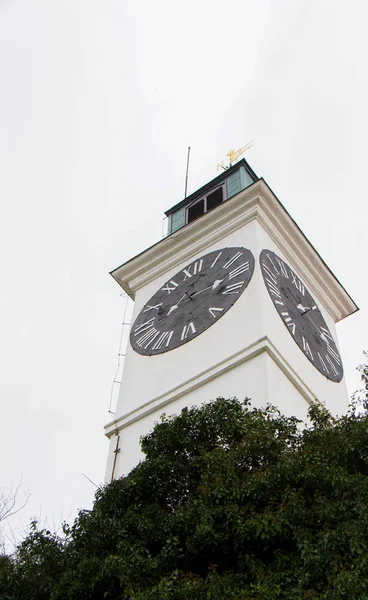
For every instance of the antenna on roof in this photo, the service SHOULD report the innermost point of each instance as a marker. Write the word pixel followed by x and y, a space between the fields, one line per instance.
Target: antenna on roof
pixel 186 176
pixel 234 155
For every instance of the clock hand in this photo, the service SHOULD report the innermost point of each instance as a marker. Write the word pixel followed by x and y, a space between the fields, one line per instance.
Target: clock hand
pixel 217 283
pixel 322 335
pixel 299 306
pixel 293 297
pixel 191 296
pixel 213 287
pixel 175 306
pixel 306 309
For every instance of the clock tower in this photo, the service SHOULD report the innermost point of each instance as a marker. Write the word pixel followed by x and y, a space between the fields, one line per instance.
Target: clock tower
pixel 234 301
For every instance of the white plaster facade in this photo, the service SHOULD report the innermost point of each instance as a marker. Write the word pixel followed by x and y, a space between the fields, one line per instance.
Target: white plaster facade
pixel 248 352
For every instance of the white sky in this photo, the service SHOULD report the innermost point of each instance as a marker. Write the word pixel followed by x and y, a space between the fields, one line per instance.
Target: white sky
pixel 99 100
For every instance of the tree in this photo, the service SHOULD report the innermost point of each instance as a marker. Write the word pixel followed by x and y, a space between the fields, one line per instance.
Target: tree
pixel 361 396
pixel 12 501
pixel 230 502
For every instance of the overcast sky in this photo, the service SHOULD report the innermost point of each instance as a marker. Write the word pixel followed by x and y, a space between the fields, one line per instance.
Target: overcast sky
pixel 99 100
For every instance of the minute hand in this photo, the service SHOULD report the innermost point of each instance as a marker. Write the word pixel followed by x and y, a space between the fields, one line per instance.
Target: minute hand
pixel 324 336
pixel 210 287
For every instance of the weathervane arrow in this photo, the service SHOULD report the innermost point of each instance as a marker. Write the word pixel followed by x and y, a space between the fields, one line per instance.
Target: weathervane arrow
pixel 234 155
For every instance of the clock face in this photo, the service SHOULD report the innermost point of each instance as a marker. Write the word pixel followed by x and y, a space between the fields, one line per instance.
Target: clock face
pixel 192 300
pixel 301 315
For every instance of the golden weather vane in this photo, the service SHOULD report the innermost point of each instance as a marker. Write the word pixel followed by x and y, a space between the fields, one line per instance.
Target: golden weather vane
pixel 234 155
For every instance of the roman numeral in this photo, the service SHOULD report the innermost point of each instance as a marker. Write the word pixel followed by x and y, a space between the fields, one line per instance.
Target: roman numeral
pixel 269 273
pixel 231 289
pixel 283 268
pixel 169 288
pixel 289 321
pixel 186 330
pixel 232 260
pixel 273 289
pixel 333 354
pixel 143 326
pixel 164 338
pixel 333 368
pixel 213 310
pixel 156 307
pixel 148 337
pixel 216 259
pixel 239 270
pixel 323 364
pixel 292 327
pixel 327 334
pixel 272 263
pixel 197 267
pixel 298 284
pixel 307 349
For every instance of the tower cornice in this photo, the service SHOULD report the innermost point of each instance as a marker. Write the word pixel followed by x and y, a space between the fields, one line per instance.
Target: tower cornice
pixel 255 202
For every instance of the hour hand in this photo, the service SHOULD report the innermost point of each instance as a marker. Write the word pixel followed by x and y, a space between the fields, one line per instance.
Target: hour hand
pixel 305 309
pixel 217 283
pixel 175 306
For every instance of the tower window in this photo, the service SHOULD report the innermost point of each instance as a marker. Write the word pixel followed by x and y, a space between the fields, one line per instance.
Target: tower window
pixel 196 210
pixel 204 204
pixel 214 199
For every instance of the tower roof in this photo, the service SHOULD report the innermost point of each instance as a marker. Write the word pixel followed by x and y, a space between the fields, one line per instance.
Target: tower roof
pixel 213 183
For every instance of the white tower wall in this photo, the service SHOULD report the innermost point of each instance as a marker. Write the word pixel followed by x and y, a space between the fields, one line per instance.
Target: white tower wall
pixel 249 351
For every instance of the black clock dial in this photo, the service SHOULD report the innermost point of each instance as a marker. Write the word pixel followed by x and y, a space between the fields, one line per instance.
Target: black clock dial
pixel 192 300
pixel 301 315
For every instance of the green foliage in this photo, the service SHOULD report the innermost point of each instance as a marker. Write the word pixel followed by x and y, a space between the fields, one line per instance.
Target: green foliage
pixel 360 397
pixel 230 502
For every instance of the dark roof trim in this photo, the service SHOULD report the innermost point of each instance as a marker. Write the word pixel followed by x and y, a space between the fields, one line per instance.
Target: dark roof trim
pixel 219 179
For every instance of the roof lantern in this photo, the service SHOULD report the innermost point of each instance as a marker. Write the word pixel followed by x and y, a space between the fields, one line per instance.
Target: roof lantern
pixel 232 181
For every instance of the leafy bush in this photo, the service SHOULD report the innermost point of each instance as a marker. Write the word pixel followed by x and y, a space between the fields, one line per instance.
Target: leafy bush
pixel 230 502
